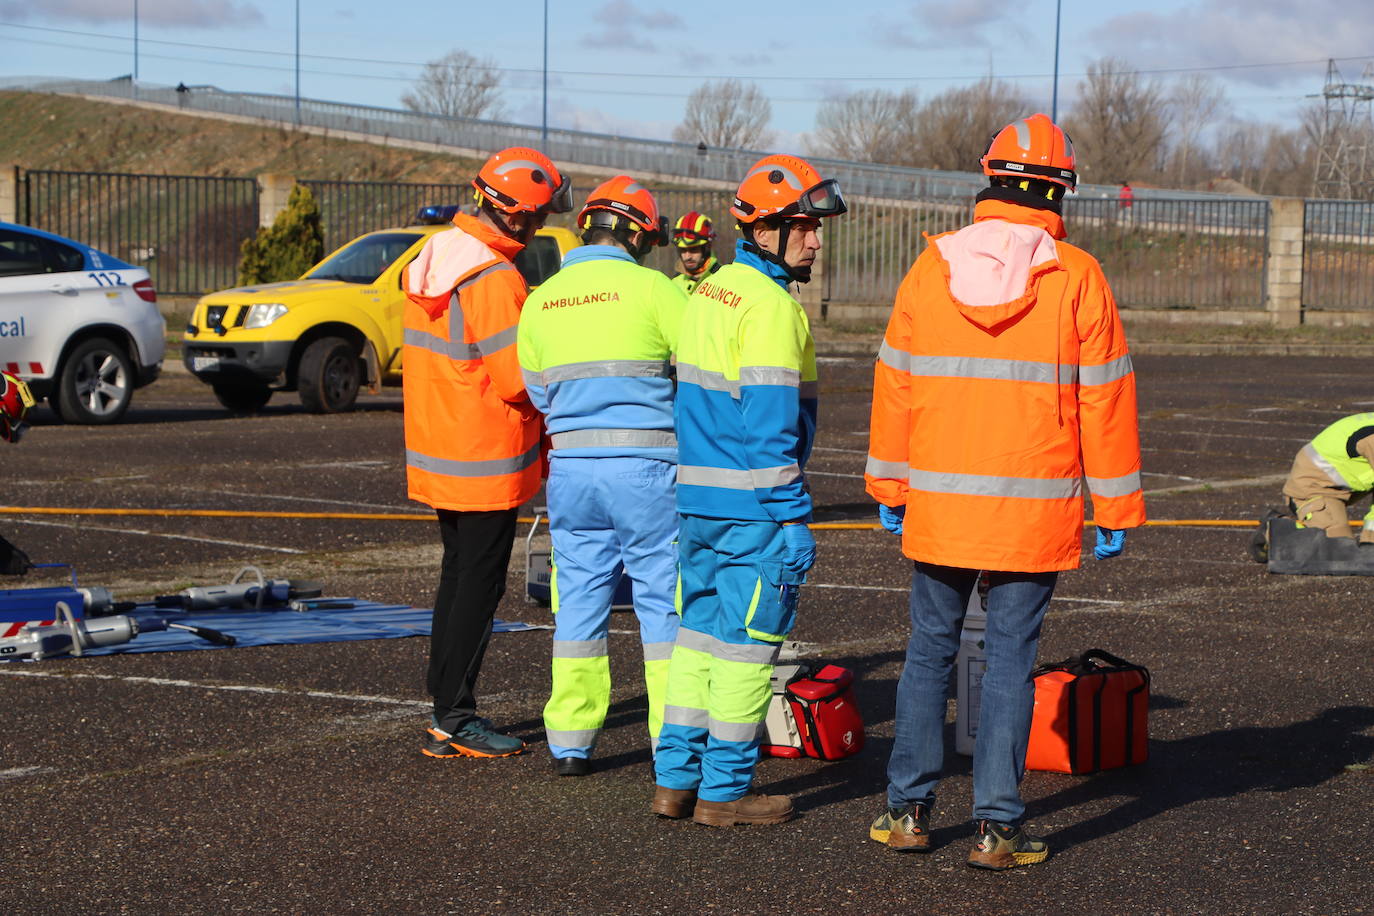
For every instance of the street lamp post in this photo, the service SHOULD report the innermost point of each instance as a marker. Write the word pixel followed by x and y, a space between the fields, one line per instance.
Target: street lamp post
pixel 544 131
pixel 298 61
pixel 135 49
pixel 1054 99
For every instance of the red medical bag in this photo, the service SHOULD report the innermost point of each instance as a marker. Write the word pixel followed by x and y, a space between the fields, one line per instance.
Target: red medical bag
pixel 813 715
pixel 1090 714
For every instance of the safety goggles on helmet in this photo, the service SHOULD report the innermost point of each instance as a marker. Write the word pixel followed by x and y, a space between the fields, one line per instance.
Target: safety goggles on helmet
pixel 559 202
pixel 604 205
pixel 820 200
pixel 693 229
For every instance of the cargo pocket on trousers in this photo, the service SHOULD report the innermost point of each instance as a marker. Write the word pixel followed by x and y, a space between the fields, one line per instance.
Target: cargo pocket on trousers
pixel 772 612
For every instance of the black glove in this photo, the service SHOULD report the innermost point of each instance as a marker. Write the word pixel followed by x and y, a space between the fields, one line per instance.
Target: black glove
pixel 13 561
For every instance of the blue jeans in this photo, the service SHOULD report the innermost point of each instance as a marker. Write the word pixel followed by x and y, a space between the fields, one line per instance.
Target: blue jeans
pixel 1016 608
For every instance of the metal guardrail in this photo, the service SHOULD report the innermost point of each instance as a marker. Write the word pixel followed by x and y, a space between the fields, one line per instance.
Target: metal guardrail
pixel 1338 255
pixel 186 230
pixel 634 155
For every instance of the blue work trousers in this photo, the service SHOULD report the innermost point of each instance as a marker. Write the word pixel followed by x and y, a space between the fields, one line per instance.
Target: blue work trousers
pixel 1016 608
pixel 607 516
pixel 720 680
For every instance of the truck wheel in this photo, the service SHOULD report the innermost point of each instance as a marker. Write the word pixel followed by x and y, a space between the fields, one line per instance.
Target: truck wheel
pixel 97 383
pixel 242 397
pixel 329 376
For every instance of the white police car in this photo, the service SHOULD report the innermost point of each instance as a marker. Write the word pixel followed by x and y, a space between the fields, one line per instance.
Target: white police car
pixel 81 327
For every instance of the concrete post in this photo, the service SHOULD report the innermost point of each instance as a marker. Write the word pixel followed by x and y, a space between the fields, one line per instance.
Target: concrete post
pixel 9 192
pixel 275 191
pixel 1283 281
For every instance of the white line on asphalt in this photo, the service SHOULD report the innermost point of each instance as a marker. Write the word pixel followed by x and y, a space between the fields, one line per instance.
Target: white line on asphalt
pixel 312 499
pixel 154 534
pixel 116 479
pixel 1171 476
pixel 20 772
pixel 1192 416
pixel 363 464
pixel 811 473
pixel 889 588
pixel 232 688
pixel 847 451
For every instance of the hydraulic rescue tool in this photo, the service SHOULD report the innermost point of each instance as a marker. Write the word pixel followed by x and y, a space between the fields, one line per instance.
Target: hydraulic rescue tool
pixel 73 635
pixel 242 594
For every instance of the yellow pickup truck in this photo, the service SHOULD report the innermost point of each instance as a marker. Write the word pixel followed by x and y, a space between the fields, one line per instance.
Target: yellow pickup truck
pixel 332 331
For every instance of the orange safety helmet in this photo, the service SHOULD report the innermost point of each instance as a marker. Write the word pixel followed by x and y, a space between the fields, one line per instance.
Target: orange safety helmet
pixel 693 230
pixel 523 180
pixel 622 196
pixel 783 186
pixel 15 401
pixel 1033 147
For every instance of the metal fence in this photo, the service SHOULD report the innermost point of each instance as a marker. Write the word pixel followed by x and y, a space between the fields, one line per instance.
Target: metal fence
pixel 1338 255
pixel 1177 254
pixel 185 230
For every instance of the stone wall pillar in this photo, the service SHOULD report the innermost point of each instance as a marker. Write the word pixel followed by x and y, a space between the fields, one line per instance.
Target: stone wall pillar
pixel 9 192
pixel 275 191
pixel 1283 281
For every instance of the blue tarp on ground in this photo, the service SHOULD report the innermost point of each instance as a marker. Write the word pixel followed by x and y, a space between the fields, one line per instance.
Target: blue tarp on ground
pixel 363 620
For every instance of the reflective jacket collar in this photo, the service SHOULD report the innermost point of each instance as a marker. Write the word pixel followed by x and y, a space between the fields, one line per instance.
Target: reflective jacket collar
pixel 493 238
pixel 775 272
pixel 1048 220
pixel 597 253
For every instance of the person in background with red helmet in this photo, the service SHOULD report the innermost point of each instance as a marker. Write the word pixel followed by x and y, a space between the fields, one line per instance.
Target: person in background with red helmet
pixel 693 237
pixel 15 403
pixel 472 437
pixel 1003 381
pixel 746 421
pixel 596 343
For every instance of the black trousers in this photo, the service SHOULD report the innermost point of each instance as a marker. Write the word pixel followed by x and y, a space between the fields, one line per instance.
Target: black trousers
pixel 472 579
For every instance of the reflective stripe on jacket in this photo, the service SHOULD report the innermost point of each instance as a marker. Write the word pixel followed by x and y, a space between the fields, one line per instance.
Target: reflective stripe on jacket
pixel 595 345
pixel 1342 450
pixel 1003 381
pixel 746 402
pixel 472 436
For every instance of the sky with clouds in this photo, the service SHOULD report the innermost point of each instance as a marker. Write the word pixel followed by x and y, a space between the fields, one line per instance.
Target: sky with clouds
pixel 627 66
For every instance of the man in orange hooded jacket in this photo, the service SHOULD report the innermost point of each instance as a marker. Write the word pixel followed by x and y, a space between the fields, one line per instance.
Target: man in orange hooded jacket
pixel 472 436
pixel 1003 382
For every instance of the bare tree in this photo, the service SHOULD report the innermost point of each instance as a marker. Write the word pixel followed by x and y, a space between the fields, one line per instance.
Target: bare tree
pixel 955 126
pixel 728 114
pixel 458 85
pixel 1196 103
pixel 1119 124
pixel 872 125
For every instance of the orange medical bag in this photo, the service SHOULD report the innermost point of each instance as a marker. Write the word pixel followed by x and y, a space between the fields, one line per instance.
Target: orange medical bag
pixel 1090 714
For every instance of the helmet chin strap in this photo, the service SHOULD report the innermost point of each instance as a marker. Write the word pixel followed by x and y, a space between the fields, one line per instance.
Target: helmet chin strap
pixel 799 274
pixel 499 219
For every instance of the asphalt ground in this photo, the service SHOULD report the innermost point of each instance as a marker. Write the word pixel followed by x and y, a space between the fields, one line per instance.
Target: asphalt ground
pixel 289 778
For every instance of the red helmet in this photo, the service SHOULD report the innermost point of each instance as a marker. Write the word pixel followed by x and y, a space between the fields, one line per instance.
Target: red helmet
pixel 622 196
pixel 692 230
pixel 1033 147
pixel 523 180
pixel 15 401
pixel 783 186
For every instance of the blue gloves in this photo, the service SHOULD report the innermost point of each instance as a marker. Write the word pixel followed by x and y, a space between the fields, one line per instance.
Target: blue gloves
pixel 891 517
pixel 799 548
pixel 1109 543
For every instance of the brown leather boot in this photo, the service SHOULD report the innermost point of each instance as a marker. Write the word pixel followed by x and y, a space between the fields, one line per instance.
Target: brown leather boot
pixel 751 809
pixel 673 802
